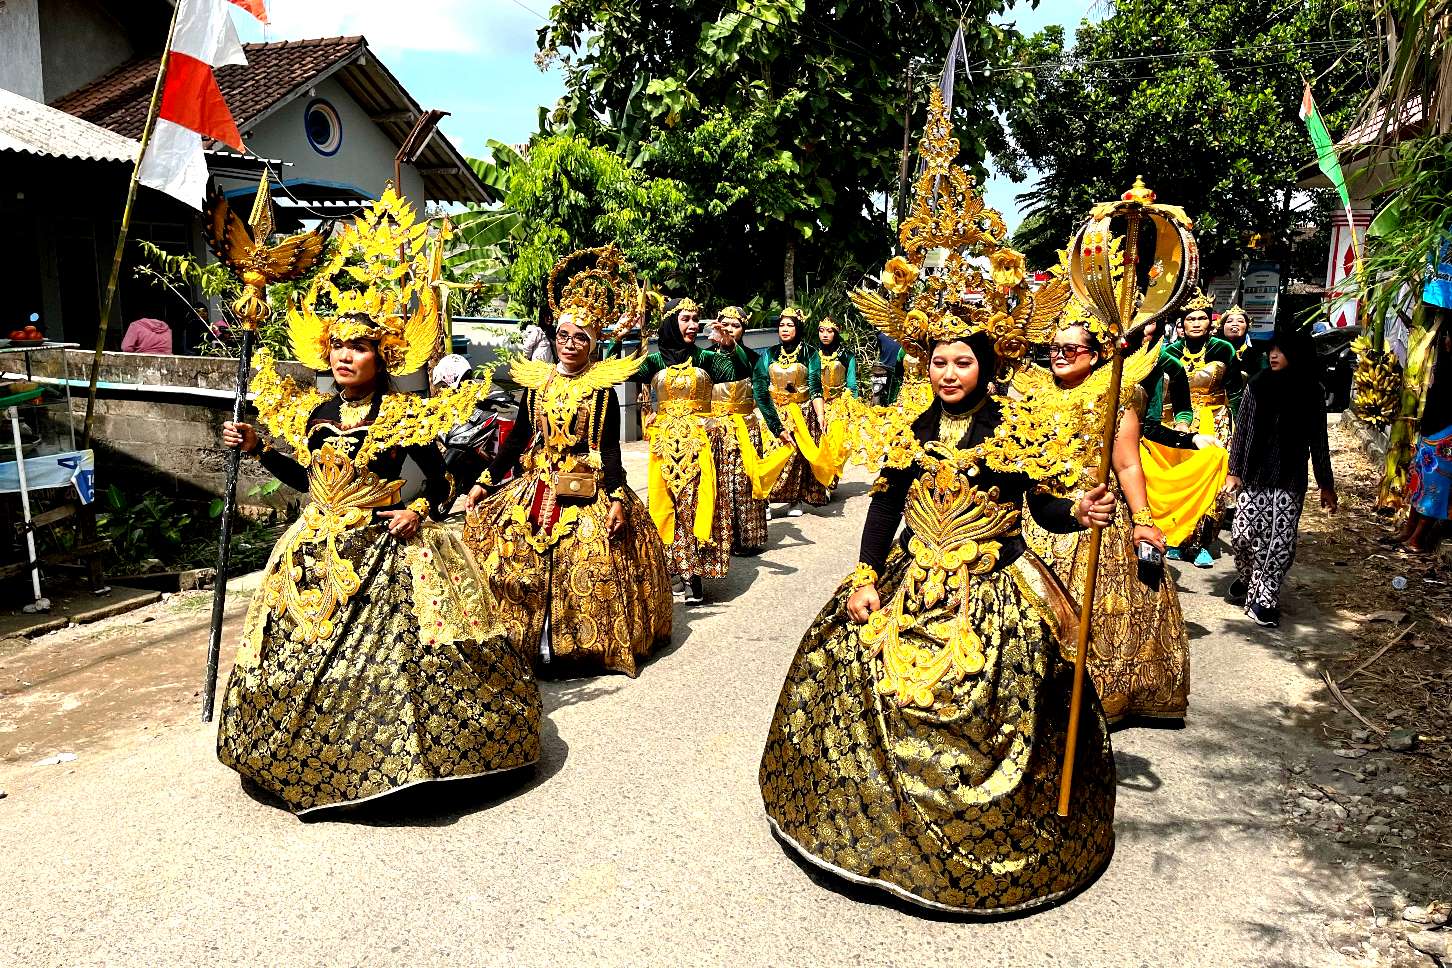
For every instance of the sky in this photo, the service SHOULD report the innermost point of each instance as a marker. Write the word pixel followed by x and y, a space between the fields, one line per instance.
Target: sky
pixel 475 59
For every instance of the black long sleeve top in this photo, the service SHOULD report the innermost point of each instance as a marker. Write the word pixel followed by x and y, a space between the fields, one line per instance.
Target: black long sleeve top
pixel 1266 452
pixel 601 409
pixel 885 513
pixel 325 423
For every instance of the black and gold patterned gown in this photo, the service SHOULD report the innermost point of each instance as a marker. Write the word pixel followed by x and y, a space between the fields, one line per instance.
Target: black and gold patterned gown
pixel 784 383
pixel 1139 651
pixel 921 752
pixel 731 401
pixel 542 537
pixel 367 663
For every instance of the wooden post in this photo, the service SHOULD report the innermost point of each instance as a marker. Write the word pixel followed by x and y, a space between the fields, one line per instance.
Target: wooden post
pixel 109 304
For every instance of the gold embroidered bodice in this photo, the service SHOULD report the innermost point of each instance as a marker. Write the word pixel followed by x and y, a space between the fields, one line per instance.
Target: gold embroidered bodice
pixel 562 415
pixel 834 376
pixel 344 497
pixel 683 388
pixel 733 397
pixel 1207 385
pixel 788 380
pixel 925 633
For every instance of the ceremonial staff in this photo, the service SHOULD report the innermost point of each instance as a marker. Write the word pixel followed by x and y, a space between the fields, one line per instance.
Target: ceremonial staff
pixel 243 249
pixel 1171 276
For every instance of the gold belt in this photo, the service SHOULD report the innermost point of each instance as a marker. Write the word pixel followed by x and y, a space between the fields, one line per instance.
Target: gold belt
pixel 1205 398
pixel 722 407
pixel 780 397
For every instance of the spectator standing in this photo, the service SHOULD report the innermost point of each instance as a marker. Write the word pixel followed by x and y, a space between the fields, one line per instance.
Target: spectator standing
pixel 147 335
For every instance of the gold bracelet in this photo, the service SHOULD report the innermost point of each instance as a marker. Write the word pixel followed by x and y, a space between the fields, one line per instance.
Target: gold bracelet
pixel 419 506
pixel 862 576
pixel 1143 517
pixel 616 495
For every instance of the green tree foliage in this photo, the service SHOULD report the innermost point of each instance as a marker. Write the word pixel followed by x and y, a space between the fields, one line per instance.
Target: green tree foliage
pixel 780 120
pixel 1201 97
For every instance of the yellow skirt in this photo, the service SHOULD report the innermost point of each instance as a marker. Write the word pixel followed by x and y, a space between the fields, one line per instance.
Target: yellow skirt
pixel 1183 486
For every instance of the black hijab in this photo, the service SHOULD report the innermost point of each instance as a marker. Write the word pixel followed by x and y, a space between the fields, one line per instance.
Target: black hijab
pixel 674 349
pixel 982 346
pixel 788 346
pixel 1287 400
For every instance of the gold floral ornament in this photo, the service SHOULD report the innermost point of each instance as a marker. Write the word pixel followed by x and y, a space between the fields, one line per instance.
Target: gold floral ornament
pixel 386 262
pixel 956 276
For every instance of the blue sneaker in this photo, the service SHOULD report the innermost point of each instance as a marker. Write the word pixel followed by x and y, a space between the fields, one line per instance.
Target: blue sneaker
pixel 1204 559
pixel 1174 555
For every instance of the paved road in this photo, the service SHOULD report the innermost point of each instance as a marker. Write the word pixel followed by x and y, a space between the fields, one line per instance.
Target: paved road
pixel 639 841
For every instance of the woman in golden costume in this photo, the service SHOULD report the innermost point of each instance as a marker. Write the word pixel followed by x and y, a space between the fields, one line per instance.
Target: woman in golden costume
pixel 785 381
pixel 734 407
pixel 1139 655
pixel 919 739
pixel 578 570
pixel 372 657
pixel 691 510
pixel 837 408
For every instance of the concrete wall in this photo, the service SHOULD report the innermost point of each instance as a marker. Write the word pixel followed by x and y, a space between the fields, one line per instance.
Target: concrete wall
pixel 364 160
pixel 79 41
pixel 161 437
pixel 20 62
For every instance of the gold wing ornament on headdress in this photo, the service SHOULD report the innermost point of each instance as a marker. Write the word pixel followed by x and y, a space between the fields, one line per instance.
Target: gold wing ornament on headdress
pixel 533 374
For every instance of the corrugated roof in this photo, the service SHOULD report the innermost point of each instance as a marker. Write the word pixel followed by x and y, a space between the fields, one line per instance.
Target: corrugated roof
pixel 276 73
pixel 37 129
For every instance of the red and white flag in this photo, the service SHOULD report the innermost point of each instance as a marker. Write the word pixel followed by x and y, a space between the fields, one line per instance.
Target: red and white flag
pixel 192 107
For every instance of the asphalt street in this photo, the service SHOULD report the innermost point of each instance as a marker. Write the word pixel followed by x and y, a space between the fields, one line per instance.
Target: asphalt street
pixel 640 839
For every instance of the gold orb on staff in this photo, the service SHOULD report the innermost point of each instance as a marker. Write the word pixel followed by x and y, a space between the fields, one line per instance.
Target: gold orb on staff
pixel 1173 270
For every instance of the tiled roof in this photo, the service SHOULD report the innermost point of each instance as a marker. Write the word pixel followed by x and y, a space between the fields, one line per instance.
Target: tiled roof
pixel 36 129
pixel 119 99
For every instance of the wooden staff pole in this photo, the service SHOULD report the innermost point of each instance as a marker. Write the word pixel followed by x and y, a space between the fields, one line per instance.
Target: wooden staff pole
pixel 125 229
pixel 1096 534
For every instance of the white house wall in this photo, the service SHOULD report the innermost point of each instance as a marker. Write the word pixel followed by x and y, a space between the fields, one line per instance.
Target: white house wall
pixel 364 160
pixel 20 49
pixel 80 41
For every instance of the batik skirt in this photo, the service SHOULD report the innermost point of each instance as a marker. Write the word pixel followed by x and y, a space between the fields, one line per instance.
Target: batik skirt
pixel 607 603
pixel 1139 654
pixel 797 484
pixel 954 807
pixel 411 679
pixel 733 486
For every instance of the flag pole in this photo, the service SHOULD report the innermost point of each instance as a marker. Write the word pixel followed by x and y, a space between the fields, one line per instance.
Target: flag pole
pixel 125 229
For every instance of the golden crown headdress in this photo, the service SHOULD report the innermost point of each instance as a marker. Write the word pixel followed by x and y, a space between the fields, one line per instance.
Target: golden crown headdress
pixel 976 284
pixel 388 263
pixel 796 313
pixel 597 290
pixel 1198 302
pixel 687 305
pixel 733 312
pixel 1234 310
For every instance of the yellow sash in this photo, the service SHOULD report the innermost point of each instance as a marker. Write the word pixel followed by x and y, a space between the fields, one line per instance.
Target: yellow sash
pixel 763 470
pixel 663 505
pixel 1182 485
pixel 826 458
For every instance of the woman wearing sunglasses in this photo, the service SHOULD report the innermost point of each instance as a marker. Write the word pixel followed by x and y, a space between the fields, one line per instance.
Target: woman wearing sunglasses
pixel 1139 656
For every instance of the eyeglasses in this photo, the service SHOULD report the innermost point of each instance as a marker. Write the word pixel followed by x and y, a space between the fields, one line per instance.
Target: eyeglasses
pixel 1068 351
pixel 567 339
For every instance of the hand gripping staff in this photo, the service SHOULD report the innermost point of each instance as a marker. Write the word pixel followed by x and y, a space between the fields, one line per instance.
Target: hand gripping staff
pixel 1170 277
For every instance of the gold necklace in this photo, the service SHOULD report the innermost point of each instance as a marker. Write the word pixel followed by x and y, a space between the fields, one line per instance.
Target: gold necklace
pixel 951 427
pixel 1193 361
pixel 353 412
pixel 789 357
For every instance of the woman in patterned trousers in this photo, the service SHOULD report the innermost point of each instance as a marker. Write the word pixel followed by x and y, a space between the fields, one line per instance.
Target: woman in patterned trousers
pixel 1280 426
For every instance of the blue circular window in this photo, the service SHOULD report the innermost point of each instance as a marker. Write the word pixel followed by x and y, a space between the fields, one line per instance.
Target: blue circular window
pixel 324 127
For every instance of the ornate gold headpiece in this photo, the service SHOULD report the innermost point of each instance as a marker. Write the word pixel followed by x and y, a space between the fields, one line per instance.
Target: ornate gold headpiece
pixel 687 305
pixel 733 312
pixel 596 289
pixel 1198 302
pixel 794 312
pixel 977 283
pixel 386 251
